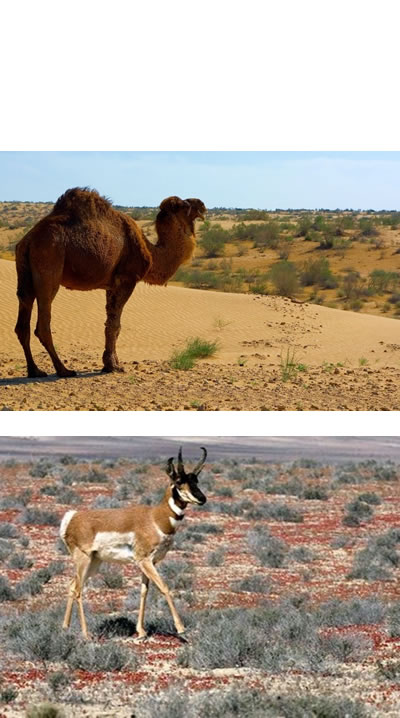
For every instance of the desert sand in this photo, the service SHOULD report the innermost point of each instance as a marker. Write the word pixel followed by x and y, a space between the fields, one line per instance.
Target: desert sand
pixel 343 360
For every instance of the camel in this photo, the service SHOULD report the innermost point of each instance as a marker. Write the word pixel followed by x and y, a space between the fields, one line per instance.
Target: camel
pixel 84 243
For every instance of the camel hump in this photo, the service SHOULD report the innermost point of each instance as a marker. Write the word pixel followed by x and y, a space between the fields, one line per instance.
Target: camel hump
pixel 81 203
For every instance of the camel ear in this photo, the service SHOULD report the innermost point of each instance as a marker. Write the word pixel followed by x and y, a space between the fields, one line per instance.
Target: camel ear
pixel 173 204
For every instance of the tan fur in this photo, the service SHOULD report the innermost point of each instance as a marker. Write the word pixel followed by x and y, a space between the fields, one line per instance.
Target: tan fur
pixel 84 243
pixel 147 531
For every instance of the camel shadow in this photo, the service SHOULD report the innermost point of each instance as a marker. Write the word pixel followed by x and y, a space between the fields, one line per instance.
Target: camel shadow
pixel 21 380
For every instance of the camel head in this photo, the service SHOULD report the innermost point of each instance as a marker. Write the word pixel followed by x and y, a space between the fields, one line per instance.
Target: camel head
pixel 190 209
pixel 197 208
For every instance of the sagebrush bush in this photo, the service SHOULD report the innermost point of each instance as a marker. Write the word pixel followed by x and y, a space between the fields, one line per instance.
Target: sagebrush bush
pixel 354 611
pixel 109 656
pixel 39 517
pixel 269 550
pixel 216 558
pixel 16 502
pixel 253 584
pixel 8 530
pixel 19 561
pixel 373 563
pixel 42 468
pixel 246 703
pixel 7 593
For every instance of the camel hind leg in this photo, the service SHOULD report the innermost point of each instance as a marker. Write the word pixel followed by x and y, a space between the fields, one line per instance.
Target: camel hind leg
pixel 46 289
pixel 23 332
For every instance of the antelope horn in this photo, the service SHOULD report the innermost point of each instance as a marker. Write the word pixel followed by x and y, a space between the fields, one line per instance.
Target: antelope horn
pixel 181 469
pixel 199 466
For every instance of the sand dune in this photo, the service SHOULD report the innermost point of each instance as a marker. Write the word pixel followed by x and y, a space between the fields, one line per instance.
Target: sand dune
pixel 158 319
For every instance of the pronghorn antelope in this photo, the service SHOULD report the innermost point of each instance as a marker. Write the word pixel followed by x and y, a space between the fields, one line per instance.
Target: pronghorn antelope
pixel 140 533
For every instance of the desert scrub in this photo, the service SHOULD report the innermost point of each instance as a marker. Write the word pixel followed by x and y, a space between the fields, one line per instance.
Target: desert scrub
pixel 253 584
pixel 6 548
pixel 42 468
pixel 8 530
pixel 19 561
pixel 111 576
pixel 45 710
pixel 195 348
pixel 33 583
pixel 8 695
pixel 90 656
pixel 37 636
pixel 315 493
pixel 246 703
pixel 268 550
pixel 283 276
pixel 7 593
pixel 274 637
pixel 301 554
pixel 39 517
pixel 16 502
pixel 216 558
pixel 352 612
pixel 63 494
pixel 373 563
pixel 357 511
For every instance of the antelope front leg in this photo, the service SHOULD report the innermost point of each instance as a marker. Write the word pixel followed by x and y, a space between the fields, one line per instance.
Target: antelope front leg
pixel 115 302
pixel 143 595
pixel 151 572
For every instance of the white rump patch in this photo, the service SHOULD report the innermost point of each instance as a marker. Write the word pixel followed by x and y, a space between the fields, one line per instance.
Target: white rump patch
pixel 64 523
pixel 114 546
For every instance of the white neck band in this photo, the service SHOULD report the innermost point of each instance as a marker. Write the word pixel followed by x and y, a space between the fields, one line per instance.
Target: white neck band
pixel 172 505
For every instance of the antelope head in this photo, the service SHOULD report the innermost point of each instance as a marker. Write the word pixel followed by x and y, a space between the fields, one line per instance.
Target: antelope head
pixel 187 485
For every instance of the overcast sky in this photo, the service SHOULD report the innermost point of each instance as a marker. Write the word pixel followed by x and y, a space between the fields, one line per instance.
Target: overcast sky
pixel 270 180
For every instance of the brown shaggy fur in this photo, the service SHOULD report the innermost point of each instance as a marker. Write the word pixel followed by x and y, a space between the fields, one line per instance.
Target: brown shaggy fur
pixel 84 243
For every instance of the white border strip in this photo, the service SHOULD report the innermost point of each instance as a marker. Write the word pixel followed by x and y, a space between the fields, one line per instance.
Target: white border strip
pixel 208 423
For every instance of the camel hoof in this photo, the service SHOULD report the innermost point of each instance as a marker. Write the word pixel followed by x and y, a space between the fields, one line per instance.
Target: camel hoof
pixel 66 373
pixel 35 373
pixel 110 369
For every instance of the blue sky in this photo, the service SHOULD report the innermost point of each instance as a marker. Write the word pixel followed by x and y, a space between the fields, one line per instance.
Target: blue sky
pixel 230 179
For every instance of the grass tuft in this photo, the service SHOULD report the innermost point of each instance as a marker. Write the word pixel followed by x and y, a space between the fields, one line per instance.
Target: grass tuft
pixel 195 348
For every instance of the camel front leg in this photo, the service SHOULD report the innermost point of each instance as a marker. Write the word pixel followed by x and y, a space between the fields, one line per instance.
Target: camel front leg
pixel 116 299
pixel 151 572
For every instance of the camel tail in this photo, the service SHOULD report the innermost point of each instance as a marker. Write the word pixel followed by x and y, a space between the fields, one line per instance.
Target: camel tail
pixel 25 286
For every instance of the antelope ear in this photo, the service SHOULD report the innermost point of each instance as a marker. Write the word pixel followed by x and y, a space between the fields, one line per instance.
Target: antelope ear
pixel 173 204
pixel 170 470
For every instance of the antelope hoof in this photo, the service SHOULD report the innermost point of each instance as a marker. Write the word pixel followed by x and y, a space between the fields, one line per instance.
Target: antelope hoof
pixel 141 639
pixel 182 637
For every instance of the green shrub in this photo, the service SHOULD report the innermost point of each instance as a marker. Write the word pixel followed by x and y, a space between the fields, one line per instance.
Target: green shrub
pixel 283 275
pixel 213 240
pixel 317 271
pixel 367 227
